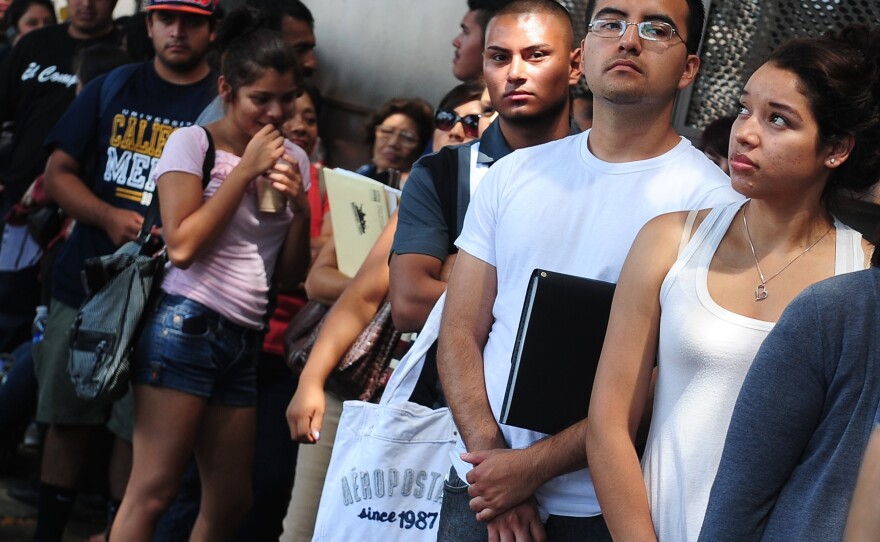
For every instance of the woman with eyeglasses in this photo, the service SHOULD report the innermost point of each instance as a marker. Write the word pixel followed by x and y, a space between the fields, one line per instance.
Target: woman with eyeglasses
pixel 700 291
pixel 457 119
pixel 397 135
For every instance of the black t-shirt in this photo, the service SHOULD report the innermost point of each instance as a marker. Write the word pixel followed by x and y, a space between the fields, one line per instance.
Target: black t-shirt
pixel 37 83
pixel 124 141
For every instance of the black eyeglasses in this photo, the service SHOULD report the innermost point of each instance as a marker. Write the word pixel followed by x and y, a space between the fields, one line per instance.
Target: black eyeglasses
pixel 446 119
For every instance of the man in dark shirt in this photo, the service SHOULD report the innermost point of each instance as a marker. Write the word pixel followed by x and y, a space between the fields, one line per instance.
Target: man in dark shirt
pixel 119 124
pixel 37 83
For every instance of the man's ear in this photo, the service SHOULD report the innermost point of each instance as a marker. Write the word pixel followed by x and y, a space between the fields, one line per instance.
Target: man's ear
pixel 574 72
pixel 691 67
pixel 148 20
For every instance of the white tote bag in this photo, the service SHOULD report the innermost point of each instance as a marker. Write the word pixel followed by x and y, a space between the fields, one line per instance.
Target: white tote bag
pixel 389 461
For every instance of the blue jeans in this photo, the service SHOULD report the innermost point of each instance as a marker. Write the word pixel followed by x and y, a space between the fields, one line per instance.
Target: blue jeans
pixel 459 524
pixel 188 347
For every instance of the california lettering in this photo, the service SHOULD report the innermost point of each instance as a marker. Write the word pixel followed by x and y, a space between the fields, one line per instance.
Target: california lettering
pixel 368 485
pixel 136 143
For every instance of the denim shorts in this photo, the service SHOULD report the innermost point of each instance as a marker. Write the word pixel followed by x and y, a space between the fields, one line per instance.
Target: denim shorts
pixel 186 346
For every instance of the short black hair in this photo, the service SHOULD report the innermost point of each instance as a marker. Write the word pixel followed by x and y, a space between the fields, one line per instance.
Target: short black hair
pixel 485 10
pixel 552 7
pixel 98 59
pixel 715 138
pixel 281 8
pixel 694 22
pixel 137 41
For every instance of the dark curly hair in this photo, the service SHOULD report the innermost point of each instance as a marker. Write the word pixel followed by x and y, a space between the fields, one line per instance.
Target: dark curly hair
pixel 840 76
pixel 485 10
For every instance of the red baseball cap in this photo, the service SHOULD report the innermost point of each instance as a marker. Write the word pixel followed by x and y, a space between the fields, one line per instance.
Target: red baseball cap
pixel 199 7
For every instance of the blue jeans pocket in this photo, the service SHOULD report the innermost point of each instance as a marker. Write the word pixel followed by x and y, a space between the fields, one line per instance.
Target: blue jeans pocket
pixel 454 484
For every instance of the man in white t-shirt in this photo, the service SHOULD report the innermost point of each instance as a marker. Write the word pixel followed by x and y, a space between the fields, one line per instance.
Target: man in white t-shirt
pixel 572 206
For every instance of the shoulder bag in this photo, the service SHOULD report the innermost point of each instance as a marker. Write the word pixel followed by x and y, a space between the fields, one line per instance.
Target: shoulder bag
pixel 389 461
pixel 119 288
pixel 365 367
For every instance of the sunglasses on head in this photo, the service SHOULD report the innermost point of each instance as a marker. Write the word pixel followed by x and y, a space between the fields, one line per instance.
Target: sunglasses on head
pixel 446 119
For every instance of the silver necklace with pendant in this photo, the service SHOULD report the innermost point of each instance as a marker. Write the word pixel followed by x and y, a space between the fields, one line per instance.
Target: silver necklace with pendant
pixel 761 292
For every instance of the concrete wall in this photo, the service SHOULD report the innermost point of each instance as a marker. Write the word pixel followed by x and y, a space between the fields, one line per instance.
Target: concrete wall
pixel 373 50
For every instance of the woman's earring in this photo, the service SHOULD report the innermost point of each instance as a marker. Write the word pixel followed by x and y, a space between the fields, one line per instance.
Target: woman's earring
pixel 833 161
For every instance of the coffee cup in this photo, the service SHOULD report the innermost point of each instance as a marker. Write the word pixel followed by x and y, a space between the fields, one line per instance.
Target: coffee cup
pixel 269 198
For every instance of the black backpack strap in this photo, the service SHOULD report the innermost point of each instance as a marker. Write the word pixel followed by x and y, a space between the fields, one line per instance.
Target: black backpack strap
pixel 113 84
pixel 208 164
pixel 152 216
pixel 463 193
pixel 444 174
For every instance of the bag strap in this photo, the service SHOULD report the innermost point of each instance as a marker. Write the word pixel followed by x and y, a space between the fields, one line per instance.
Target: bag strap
pixel 406 375
pixel 463 190
pixel 152 216
pixel 113 84
pixel 443 166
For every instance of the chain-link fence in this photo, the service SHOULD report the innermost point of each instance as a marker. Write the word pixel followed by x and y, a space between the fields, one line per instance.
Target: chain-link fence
pixel 741 33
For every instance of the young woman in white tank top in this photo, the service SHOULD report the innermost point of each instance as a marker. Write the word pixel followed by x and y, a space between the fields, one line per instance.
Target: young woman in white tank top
pixel 700 291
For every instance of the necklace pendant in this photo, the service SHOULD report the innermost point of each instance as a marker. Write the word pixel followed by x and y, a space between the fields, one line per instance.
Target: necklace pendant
pixel 761 292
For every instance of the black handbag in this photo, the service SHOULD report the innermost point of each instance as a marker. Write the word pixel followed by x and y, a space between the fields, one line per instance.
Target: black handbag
pixel 119 288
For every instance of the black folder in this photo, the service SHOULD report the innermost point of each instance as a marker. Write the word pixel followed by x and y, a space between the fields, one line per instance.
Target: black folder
pixel 556 352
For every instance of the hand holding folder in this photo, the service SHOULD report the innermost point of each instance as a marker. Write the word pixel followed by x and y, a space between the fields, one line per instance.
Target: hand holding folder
pixel 556 351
